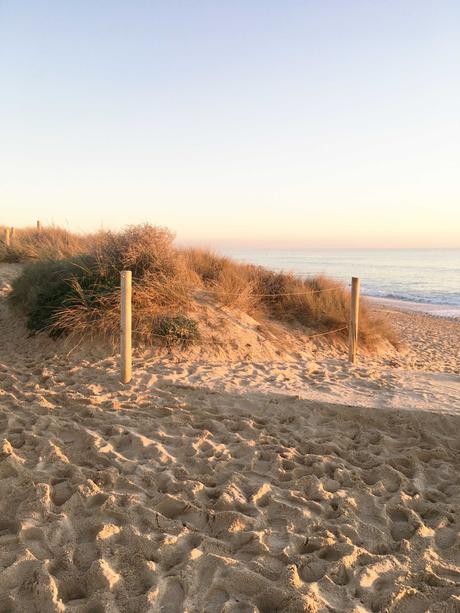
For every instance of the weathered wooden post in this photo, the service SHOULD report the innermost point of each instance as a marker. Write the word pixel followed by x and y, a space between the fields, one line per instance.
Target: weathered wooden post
pixel 354 319
pixel 125 326
pixel 7 237
pixel 39 226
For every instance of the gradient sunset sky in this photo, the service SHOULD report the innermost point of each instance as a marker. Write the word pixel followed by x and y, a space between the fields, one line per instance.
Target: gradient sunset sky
pixel 243 122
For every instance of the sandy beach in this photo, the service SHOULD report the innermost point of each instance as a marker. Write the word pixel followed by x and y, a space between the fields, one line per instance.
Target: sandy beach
pixel 230 307
pixel 290 482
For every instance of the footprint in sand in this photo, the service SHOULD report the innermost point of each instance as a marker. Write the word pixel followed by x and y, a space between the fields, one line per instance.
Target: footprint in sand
pixel 401 528
pixel 8 531
pixel 445 538
pixel 171 595
pixel 313 570
pixel 61 491
pixel 34 539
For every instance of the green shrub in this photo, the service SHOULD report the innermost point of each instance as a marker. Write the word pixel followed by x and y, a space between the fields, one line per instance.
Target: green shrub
pixel 80 295
pixel 46 288
pixel 178 330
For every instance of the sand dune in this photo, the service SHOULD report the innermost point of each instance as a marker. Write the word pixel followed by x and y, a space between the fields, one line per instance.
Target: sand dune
pixel 220 488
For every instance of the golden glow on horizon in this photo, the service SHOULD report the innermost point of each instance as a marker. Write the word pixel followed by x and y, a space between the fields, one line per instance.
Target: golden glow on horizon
pixel 299 133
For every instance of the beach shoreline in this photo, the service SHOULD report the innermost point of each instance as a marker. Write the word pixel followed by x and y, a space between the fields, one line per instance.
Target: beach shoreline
pixel 435 310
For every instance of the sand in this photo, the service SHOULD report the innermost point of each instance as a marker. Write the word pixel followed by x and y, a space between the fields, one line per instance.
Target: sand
pixel 301 484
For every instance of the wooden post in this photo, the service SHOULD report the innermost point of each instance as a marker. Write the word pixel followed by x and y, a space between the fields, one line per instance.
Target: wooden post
pixel 39 226
pixel 354 317
pixel 12 232
pixel 7 237
pixel 125 327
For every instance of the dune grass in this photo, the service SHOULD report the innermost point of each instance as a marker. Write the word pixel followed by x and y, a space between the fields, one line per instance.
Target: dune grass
pixel 51 243
pixel 72 288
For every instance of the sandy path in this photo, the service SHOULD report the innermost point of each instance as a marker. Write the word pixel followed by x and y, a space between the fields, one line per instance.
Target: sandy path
pixel 170 496
pixel 325 380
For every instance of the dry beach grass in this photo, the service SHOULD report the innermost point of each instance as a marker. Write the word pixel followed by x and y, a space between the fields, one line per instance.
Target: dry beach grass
pixel 72 287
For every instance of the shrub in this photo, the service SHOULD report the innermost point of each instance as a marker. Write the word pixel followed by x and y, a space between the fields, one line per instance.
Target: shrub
pixel 46 287
pixel 179 330
pixel 80 296
pixel 142 249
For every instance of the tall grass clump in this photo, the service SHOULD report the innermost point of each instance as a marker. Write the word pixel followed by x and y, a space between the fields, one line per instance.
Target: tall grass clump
pixel 79 296
pixel 72 289
pixel 53 243
pixel 48 287
pixel 317 304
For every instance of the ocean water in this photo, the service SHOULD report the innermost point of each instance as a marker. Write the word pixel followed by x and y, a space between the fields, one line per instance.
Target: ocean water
pixel 418 277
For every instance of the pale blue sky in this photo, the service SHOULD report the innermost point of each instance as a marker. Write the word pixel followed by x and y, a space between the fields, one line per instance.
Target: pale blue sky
pixel 287 123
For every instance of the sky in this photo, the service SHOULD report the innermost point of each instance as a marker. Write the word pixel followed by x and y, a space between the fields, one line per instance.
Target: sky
pixel 255 123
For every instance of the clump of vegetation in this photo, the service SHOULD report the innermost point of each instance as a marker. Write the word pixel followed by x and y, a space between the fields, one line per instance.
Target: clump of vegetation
pixel 178 331
pixel 50 243
pixel 48 287
pixel 79 296
pixel 76 292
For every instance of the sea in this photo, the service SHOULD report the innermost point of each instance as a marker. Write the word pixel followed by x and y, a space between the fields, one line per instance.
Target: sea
pixel 419 279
